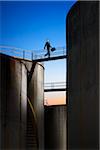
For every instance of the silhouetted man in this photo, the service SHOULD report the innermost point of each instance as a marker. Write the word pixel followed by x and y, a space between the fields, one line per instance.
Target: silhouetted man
pixel 47 46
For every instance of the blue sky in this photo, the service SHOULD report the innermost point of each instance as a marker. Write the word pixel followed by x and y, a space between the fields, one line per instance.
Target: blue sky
pixel 27 25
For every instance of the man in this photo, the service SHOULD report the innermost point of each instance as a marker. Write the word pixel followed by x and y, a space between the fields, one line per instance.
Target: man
pixel 48 47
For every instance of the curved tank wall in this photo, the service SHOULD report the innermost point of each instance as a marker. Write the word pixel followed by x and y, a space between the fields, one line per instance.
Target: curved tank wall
pixel 13 103
pixel 55 127
pixel 83 75
pixel 36 96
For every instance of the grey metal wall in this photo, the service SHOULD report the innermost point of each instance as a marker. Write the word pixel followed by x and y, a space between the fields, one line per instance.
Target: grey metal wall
pixel 14 89
pixel 83 75
pixel 55 127
pixel 36 95
pixel 13 103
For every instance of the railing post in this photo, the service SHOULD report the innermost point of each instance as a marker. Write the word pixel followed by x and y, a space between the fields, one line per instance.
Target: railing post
pixel 32 56
pixel 63 50
pixel 52 85
pixel 35 56
pixel 23 54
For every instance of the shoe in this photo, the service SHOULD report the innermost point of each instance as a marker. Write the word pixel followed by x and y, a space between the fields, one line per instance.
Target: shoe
pixel 45 55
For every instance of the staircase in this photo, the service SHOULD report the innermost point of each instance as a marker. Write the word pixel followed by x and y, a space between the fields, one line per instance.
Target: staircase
pixel 31 133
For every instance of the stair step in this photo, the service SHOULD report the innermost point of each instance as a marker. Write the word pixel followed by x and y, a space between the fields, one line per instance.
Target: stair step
pixel 31 138
pixel 32 142
pixel 30 135
pixel 32 147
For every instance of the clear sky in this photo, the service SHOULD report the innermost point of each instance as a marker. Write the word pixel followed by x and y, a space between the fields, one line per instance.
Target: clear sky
pixel 27 24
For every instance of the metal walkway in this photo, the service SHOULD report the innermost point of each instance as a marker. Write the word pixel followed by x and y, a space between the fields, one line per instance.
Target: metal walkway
pixel 33 55
pixel 55 87
pixel 38 56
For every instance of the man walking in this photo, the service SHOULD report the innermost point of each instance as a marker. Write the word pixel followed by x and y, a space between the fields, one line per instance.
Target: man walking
pixel 48 47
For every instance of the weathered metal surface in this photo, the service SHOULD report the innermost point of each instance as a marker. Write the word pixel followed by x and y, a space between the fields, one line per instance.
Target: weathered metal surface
pixel 36 95
pixel 13 101
pixel 83 75
pixel 55 127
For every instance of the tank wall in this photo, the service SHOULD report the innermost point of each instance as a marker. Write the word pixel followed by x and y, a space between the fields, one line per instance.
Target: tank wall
pixel 55 127
pixel 83 75
pixel 36 94
pixel 13 103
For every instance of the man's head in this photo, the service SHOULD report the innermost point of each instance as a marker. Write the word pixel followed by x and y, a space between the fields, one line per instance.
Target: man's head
pixel 47 40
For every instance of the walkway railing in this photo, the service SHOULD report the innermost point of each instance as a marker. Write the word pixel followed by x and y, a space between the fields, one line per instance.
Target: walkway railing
pixel 55 86
pixel 31 54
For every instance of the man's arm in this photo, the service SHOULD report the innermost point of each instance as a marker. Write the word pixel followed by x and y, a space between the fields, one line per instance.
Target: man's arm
pixel 45 45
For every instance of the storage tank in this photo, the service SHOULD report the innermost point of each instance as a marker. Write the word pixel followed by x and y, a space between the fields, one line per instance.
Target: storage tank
pixel 13 103
pixel 55 127
pixel 83 75
pixel 36 96
pixel 21 103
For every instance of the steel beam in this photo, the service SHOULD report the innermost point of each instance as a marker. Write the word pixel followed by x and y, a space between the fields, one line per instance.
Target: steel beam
pixel 51 58
pixel 55 90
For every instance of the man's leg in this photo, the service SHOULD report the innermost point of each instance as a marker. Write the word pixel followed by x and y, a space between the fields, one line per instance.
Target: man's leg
pixel 48 52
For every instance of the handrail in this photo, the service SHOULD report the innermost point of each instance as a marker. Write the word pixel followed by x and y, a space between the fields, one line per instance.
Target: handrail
pixel 14 48
pixel 32 109
pixel 54 85
pixel 30 54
